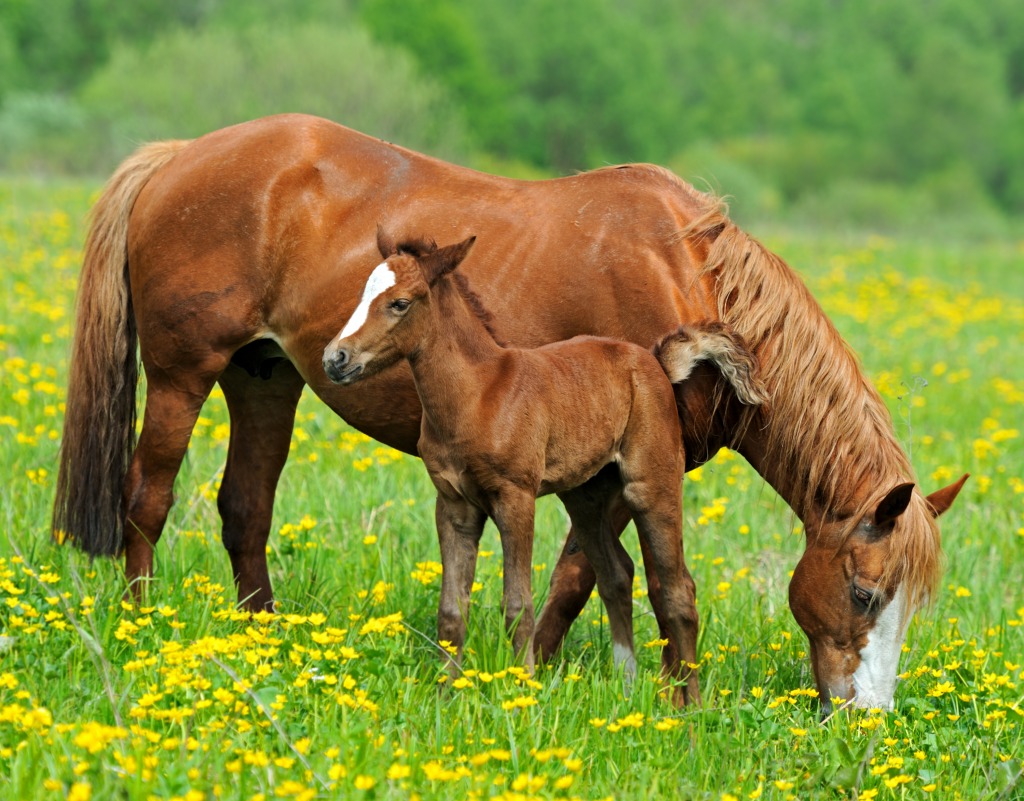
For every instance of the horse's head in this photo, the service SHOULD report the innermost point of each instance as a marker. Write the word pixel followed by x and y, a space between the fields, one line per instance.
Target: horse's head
pixel 858 584
pixel 388 322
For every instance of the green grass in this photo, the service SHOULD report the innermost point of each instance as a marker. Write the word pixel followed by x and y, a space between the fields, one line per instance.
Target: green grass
pixel 339 697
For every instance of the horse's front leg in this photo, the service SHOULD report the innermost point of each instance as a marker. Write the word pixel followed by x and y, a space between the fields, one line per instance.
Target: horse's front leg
pixel 514 515
pixel 262 415
pixel 589 508
pixel 572 581
pixel 459 526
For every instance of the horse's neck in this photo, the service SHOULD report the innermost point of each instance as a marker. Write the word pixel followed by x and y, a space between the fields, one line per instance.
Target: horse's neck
pixel 779 473
pixel 453 357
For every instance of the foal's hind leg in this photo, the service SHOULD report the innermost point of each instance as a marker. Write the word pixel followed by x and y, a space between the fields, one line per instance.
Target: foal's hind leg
pixel 173 402
pixel 588 507
pixel 657 511
pixel 262 415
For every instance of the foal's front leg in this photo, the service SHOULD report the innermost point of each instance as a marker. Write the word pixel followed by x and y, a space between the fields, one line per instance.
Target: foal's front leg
pixel 513 514
pixel 459 526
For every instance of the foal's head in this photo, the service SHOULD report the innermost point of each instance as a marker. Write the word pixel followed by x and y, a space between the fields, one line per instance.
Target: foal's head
pixel 390 318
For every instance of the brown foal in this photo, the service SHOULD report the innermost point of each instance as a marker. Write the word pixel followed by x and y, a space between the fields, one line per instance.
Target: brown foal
pixel 591 419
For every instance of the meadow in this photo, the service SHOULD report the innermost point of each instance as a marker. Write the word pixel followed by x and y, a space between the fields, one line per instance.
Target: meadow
pixel 341 693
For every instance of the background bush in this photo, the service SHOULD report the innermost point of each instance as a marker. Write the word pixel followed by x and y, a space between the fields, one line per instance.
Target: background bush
pixel 867 108
pixel 194 82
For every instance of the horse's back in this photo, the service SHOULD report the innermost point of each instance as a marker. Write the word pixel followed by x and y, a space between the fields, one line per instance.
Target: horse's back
pixel 269 169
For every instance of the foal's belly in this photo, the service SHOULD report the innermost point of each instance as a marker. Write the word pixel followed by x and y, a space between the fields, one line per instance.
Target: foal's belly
pixel 571 476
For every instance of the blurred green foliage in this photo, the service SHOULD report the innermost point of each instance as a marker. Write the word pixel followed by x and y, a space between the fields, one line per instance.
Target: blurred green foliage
pixel 876 111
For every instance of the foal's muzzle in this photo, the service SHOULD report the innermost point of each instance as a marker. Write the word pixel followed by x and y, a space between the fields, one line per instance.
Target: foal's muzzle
pixel 338 366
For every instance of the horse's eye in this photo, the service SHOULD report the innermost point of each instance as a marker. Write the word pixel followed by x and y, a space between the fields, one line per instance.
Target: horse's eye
pixel 399 305
pixel 862 596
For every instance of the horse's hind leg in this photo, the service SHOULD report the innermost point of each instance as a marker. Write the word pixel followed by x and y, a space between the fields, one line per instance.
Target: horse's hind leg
pixel 262 416
pixel 588 507
pixel 173 401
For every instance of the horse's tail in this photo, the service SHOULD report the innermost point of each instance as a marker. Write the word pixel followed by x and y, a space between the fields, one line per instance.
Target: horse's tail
pixel 680 351
pixel 99 419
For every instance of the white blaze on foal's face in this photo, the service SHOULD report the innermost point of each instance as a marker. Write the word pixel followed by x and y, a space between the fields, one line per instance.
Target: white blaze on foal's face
pixel 381 279
pixel 874 680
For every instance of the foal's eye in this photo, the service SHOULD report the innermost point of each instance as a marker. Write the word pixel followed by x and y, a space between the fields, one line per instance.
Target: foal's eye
pixel 862 596
pixel 399 304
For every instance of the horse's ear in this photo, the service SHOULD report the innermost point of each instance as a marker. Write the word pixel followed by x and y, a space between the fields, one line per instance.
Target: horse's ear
pixel 940 500
pixel 893 504
pixel 385 243
pixel 443 260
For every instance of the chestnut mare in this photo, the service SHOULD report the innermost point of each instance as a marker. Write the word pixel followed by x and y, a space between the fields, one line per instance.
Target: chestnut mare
pixel 236 257
pixel 503 426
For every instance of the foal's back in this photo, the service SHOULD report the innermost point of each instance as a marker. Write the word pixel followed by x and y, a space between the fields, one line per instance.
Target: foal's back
pixel 559 413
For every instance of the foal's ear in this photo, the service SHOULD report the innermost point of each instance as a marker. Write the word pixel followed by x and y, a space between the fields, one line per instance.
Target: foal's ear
pixel 940 500
pixel 443 260
pixel 385 243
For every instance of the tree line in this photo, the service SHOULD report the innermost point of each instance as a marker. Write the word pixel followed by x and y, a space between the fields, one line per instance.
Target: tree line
pixel 871 107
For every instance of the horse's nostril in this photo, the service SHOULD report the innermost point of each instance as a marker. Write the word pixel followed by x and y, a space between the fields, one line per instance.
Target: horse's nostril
pixel 341 358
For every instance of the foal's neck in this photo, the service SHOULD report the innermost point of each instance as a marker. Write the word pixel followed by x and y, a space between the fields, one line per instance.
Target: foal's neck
pixel 455 353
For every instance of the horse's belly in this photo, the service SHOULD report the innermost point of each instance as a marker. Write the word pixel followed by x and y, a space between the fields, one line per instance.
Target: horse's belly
pixel 385 407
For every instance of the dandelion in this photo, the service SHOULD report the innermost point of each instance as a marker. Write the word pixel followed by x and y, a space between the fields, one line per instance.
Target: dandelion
pixel 521 702
pixel 941 689
pixel 80 791
pixel 398 771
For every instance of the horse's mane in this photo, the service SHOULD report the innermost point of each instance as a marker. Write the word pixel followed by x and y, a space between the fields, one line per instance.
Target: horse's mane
pixel 829 439
pixel 421 246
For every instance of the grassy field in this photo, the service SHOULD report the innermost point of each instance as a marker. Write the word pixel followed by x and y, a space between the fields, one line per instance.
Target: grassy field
pixel 338 695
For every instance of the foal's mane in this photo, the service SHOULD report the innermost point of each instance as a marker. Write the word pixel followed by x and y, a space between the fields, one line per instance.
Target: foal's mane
pixel 422 246
pixel 828 437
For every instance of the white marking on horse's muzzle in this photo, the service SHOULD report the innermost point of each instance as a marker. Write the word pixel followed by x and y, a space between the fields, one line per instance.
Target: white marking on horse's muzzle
pixel 380 279
pixel 874 681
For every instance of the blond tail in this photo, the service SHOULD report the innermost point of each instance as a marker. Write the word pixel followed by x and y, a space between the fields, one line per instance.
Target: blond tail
pixel 99 421
pixel 681 351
